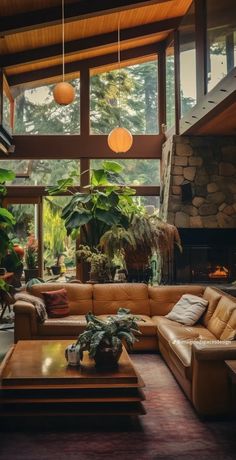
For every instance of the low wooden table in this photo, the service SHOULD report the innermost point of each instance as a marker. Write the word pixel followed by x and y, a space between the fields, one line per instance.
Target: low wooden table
pixel 36 380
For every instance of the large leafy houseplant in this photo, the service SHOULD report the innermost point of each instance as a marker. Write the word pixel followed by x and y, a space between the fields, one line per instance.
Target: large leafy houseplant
pixel 103 204
pixel 103 338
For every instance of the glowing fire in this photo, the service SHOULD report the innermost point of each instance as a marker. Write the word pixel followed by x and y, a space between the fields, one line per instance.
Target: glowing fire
pixel 220 272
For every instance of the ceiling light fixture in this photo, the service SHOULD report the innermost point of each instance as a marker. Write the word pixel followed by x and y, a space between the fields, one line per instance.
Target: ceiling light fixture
pixel 119 139
pixel 63 92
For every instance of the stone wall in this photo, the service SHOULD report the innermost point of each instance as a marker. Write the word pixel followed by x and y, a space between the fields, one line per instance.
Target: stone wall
pixel 201 189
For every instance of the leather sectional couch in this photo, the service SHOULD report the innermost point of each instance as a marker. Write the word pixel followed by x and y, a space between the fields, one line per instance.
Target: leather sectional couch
pixel 196 355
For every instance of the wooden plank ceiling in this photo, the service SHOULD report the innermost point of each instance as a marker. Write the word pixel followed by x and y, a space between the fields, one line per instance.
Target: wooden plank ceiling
pixel 30 32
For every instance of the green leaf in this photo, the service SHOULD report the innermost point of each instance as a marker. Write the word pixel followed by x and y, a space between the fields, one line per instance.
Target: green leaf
pixel 112 166
pixel 7 217
pixel 98 177
pixel 62 186
pixel 77 198
pixel 108 217
pixel 6 175
pixel 77 219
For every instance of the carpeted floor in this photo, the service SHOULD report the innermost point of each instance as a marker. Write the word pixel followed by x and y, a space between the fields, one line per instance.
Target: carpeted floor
pixel 169 430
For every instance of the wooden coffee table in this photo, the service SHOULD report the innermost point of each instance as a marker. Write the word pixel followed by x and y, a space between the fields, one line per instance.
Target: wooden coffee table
pixel 36 380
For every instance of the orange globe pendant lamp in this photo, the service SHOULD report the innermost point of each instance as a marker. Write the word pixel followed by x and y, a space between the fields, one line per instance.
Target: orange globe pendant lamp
pixel 63 92
pixel 120 139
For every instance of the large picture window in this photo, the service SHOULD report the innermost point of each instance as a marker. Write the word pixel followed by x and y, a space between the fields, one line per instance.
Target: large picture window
pixel 129 94
pixel 136 172
pixel 187 46
pixel 40 172
pixel 170 86
pixel 36 112
pixel 221 39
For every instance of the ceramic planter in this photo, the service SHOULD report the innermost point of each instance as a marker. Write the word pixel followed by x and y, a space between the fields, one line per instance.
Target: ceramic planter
pixel 107 357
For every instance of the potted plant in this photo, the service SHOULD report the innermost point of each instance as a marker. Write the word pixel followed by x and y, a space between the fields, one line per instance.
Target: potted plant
pixel 101 268
pixel 103 338
pixel 31 258
pixel 145 236
pixel 104 203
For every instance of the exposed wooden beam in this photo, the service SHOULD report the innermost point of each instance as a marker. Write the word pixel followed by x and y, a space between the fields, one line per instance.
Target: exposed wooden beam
pixel 24 191
pixel 73 12
pixel 80 146
pixel 213 103
pixel 76 66
pixel 85 44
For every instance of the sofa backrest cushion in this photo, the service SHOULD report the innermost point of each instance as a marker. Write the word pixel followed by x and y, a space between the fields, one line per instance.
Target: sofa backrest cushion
pixel 79 295
pixel 221 317
pixel 107 298
pixel 229 332
pixel 163 298
pixel 213 297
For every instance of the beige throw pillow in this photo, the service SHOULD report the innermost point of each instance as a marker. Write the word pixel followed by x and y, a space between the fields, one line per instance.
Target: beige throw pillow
pixel 188 309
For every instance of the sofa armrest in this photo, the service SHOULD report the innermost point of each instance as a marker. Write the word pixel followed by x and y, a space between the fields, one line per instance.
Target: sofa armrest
pixel 218 350
pixel 26 320
pixel 211 388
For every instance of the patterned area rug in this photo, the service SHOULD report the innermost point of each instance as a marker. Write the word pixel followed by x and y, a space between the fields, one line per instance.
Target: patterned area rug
pixel 169 430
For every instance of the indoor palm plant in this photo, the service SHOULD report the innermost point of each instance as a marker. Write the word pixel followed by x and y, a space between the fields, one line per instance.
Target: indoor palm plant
pixel 103 338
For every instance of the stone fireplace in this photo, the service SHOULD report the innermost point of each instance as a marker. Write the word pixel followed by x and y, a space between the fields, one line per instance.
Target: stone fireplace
pixel 198 195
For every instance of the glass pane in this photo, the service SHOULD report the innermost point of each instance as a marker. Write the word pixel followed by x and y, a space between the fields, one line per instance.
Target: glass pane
pixel 59 249
pixel 6 120
pixel 129 94
pixel 221 36
pixel 25 234
pixel 36 112
pixel 136 172
pixel 40 172
pixel 170 87
pixel 151 203
pixel 187 61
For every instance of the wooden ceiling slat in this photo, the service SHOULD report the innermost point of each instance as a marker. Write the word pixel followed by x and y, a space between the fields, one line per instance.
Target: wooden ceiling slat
pixel 75 46
pixel 75 67
pixel 80 10
pixel 86 54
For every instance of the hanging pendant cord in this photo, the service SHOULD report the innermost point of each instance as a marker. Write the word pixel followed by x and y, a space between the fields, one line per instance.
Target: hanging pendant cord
pixel 63 39
pixel 118 50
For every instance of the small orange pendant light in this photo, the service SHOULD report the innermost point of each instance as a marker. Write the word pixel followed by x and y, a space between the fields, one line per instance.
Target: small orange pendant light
pixel 63 92
pixel 119 139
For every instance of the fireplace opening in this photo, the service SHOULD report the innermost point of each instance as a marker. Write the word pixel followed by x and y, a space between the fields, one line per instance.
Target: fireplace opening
pixel 209 256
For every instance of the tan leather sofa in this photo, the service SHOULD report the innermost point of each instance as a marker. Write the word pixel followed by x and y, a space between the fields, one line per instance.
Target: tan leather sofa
pixel 196 355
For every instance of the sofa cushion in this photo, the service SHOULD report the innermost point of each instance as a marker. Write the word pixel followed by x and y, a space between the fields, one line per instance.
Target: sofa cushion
pixel 213 297
pixel 79 295
pixel 107 298
pixel 221 316
pixel 177 340
pixel 188 310
pixel 69 326
pixel 56 303
pixel 163 298
pixel 172 331
pixel 229 332
pixel 147 327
